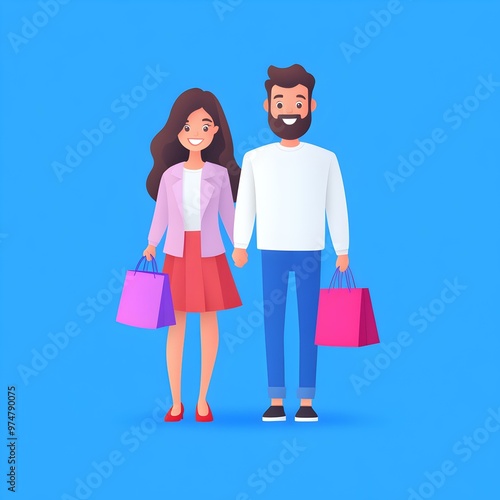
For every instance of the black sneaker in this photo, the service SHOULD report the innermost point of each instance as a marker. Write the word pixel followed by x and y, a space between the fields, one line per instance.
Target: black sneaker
pixel 274 414
pixel 306 414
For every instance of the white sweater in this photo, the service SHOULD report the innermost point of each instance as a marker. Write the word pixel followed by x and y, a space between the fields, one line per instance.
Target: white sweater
pixel 289 190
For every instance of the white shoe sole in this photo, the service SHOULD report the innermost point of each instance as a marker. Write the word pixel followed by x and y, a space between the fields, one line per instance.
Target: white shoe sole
pixel 273 419
pixel 302 419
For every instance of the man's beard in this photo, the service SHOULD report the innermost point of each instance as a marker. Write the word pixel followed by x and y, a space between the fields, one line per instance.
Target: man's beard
pixel 289 132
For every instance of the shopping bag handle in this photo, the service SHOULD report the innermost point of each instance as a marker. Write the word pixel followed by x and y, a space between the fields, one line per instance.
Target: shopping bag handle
pixel 338 276
pixel 146 264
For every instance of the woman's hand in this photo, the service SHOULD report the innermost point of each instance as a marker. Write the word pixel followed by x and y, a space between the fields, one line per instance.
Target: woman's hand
pixel 150 252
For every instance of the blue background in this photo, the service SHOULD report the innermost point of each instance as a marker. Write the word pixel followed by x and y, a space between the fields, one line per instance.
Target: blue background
pixel 63 240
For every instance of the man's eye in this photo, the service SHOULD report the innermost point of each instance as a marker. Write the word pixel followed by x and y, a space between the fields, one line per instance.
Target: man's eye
pixel 205 128
pixel 279 105
pixel 298 104
pixel 187 128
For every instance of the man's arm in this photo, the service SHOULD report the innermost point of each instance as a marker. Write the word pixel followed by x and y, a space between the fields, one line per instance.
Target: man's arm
pixel 244 219
pixel 336 213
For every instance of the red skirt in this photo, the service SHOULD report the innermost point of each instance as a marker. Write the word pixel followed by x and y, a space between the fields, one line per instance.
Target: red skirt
pixel 200 284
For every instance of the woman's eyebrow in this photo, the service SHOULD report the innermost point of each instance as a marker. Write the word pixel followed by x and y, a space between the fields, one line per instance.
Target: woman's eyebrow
pixel 207 120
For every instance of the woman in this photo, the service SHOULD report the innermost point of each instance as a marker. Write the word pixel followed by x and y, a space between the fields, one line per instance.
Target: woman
pixel 194 179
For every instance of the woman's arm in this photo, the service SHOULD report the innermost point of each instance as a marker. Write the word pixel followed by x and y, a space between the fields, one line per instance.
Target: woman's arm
pixel 226 205
pixel 160 220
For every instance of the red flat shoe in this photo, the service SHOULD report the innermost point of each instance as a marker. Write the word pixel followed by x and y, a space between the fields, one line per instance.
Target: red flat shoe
pixel 204 418
pixel 174 418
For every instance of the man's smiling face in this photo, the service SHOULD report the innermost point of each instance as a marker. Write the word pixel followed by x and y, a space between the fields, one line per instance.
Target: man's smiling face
pixel 289 111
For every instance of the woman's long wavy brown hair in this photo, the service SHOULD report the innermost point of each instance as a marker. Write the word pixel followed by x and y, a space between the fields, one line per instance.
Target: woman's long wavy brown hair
pixel 167 150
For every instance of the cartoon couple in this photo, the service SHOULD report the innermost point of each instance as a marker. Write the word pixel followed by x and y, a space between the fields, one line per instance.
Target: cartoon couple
pixel 287 186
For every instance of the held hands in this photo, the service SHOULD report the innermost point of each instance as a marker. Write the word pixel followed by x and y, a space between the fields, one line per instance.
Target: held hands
pixel 342 262
pixel 240 257
pixel 150 252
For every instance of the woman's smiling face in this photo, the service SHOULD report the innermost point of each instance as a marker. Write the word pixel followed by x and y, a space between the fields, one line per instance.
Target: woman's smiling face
pixel 198 131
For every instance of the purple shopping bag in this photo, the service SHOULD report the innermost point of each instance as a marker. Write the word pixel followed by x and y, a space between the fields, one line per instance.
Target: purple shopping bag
pixel 345 315
pixel 146 300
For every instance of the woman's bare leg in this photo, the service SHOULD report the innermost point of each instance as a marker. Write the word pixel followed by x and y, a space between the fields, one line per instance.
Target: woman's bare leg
pixel 174 350
pixel 209 332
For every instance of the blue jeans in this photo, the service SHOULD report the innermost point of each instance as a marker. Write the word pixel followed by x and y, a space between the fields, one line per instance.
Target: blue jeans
pixel 276 266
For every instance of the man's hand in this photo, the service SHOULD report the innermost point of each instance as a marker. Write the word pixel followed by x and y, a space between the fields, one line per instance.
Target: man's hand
pixel 240 257
pixel 342 262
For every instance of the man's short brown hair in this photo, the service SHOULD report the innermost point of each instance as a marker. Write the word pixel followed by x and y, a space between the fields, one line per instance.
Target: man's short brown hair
pixel 288 78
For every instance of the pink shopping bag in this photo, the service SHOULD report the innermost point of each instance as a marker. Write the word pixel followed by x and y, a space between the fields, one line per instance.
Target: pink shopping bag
pixel 345 315
pixel 146 300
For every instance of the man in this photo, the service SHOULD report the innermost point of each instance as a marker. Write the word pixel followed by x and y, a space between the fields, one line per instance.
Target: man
pixel 288 186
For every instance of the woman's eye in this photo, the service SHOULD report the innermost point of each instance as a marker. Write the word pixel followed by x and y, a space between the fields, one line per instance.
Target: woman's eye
pixel 187 128
pixel 279 105
pixel 205 128
pixel 298 104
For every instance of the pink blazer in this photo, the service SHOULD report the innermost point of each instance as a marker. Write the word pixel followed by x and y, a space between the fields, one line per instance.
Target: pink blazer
pixel 216 198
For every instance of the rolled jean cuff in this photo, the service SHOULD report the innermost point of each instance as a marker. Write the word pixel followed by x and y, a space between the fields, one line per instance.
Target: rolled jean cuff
pixel 306 392
pixel 276 392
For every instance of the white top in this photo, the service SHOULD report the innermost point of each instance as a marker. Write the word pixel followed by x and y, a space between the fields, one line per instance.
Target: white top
pixel 191 197
pixel 289 190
